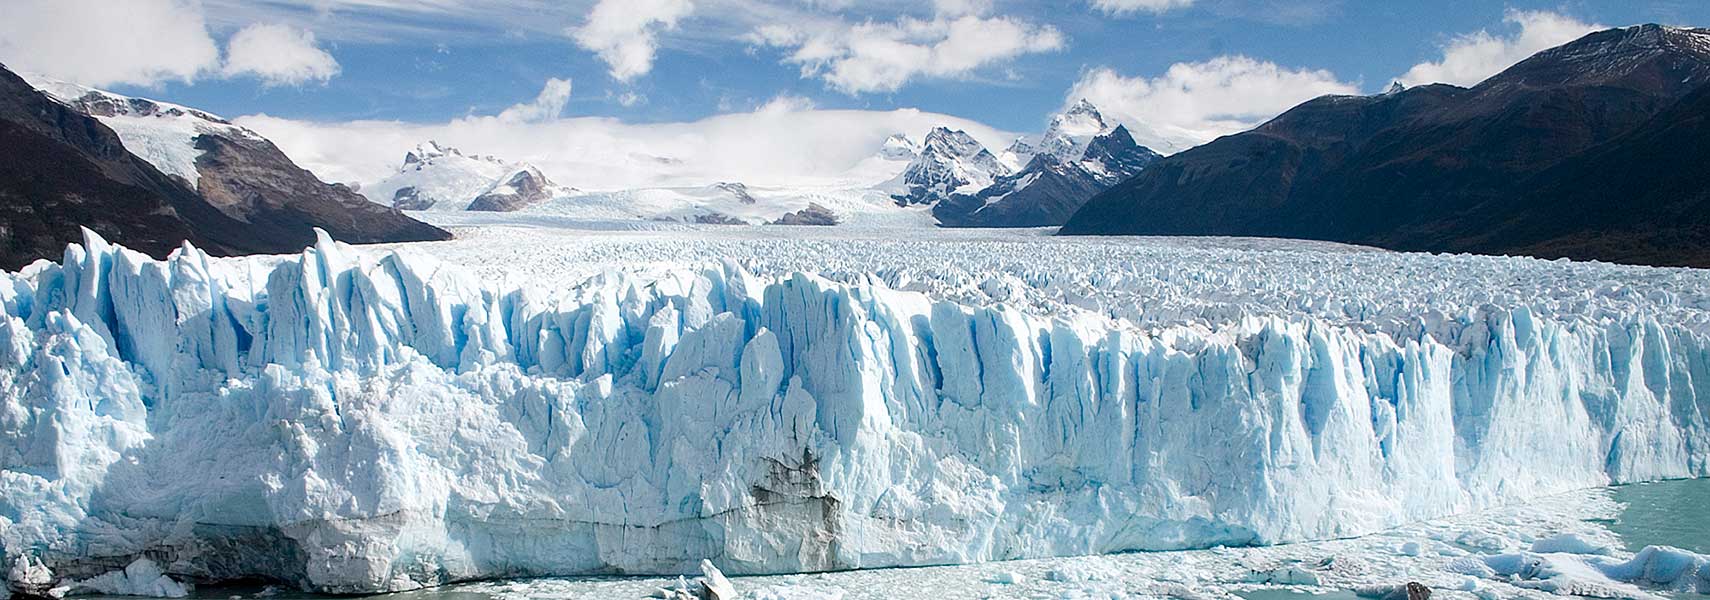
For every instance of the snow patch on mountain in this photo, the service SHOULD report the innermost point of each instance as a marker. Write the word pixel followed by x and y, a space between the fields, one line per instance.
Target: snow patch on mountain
pixel 360 422
pixel 162 133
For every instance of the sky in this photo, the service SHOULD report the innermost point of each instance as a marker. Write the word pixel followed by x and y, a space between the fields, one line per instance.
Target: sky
pixel 790 86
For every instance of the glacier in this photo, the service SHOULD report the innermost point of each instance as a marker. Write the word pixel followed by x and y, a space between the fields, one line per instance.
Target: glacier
pixel 352 421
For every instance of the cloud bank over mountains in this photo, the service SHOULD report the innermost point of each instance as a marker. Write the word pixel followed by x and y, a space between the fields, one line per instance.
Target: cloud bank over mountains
pixel 784 142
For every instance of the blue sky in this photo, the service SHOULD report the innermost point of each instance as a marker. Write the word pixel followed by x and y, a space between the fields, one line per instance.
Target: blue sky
pixel 313 73
pixel 439 74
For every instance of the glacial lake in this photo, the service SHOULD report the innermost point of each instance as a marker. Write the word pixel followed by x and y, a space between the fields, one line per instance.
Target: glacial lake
pixel 1669 513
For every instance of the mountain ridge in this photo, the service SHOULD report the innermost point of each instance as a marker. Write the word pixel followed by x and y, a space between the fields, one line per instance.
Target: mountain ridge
pixel 153 175
pixel 1417 169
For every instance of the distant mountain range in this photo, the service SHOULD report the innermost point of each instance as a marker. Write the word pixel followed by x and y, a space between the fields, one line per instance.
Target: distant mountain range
pixel 151 175
pixel 1592 150
pixel 947 178
pixel 1078 156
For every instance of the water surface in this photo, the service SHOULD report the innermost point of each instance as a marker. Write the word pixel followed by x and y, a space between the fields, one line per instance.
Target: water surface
pixel 1667 513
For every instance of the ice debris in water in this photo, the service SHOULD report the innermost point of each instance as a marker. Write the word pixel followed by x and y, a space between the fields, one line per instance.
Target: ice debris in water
pixel 1571 573
pixel 140 578
pixel 711 585
pixel 354 422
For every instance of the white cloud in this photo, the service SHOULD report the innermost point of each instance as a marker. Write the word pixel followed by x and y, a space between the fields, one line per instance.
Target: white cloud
pixel 548 105
pixel 623 32
pixel 1123 7
pixel 960 8
pixel 787 103
pixel 1193 103
pixel 278 55
pixel 883 56
pixel 1471 58
pixel 783 142
pixel 99 42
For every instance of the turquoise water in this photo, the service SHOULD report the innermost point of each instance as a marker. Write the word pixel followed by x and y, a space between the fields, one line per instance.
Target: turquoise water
pixel 1668 513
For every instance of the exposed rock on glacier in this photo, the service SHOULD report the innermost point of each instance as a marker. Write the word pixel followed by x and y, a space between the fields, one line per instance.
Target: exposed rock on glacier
pixel 356 423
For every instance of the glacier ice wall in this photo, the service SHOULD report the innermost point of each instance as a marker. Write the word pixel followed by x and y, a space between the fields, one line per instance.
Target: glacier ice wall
pixel 351 422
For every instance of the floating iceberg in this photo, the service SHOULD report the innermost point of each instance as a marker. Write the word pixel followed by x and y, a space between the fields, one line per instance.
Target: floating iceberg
pixel 350 422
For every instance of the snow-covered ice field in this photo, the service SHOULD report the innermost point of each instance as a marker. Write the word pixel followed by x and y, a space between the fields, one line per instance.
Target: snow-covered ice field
pixel 532 399
pixel 1150 282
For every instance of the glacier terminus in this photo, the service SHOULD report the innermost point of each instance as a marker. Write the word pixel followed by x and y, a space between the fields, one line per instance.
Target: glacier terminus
pixel 358 420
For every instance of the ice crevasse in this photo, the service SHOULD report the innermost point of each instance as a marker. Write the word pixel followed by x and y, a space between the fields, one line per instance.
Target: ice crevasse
pixel 356 422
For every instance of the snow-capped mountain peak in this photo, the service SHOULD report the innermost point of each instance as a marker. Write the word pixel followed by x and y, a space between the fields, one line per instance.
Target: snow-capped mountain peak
pixel 944 143
pixel 1081 119
pixel 426 151
pixel 1069 132
pixel 1052 185
pixel 949 161
pixel 899 147
pixel 440 177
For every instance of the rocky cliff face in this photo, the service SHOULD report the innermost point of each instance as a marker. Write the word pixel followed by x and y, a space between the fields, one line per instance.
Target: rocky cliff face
pixel 249 179
pixel 524 187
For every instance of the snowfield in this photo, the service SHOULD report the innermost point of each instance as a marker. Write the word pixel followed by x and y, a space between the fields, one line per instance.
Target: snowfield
pixel 531 400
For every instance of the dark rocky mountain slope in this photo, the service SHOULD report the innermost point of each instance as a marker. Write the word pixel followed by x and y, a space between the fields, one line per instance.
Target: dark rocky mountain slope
pixel 1538 159
pixel 62 168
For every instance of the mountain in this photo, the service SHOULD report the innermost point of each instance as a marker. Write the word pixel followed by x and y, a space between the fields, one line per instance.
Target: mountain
pixel 1078 156
pixel 949 161
pixel 436 177
pixel 899 147
pixel 1068 134
pixel 153 175
pixel 523 187
pixel 1664 221
pixel 1450 169
pixel 60 168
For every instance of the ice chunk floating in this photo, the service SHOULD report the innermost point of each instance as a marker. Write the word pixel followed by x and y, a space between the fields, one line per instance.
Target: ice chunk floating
pixel 351 422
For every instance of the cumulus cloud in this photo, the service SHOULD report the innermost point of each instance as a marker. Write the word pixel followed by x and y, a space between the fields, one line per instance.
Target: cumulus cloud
pixel 548 105
pixel 782 142
pixel 1193 103
pixel 278 55
pixel 624 32
pixel 1471 58
pixel 97 42
pixel 883 56
pixel 1122 7
pixel 150 42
